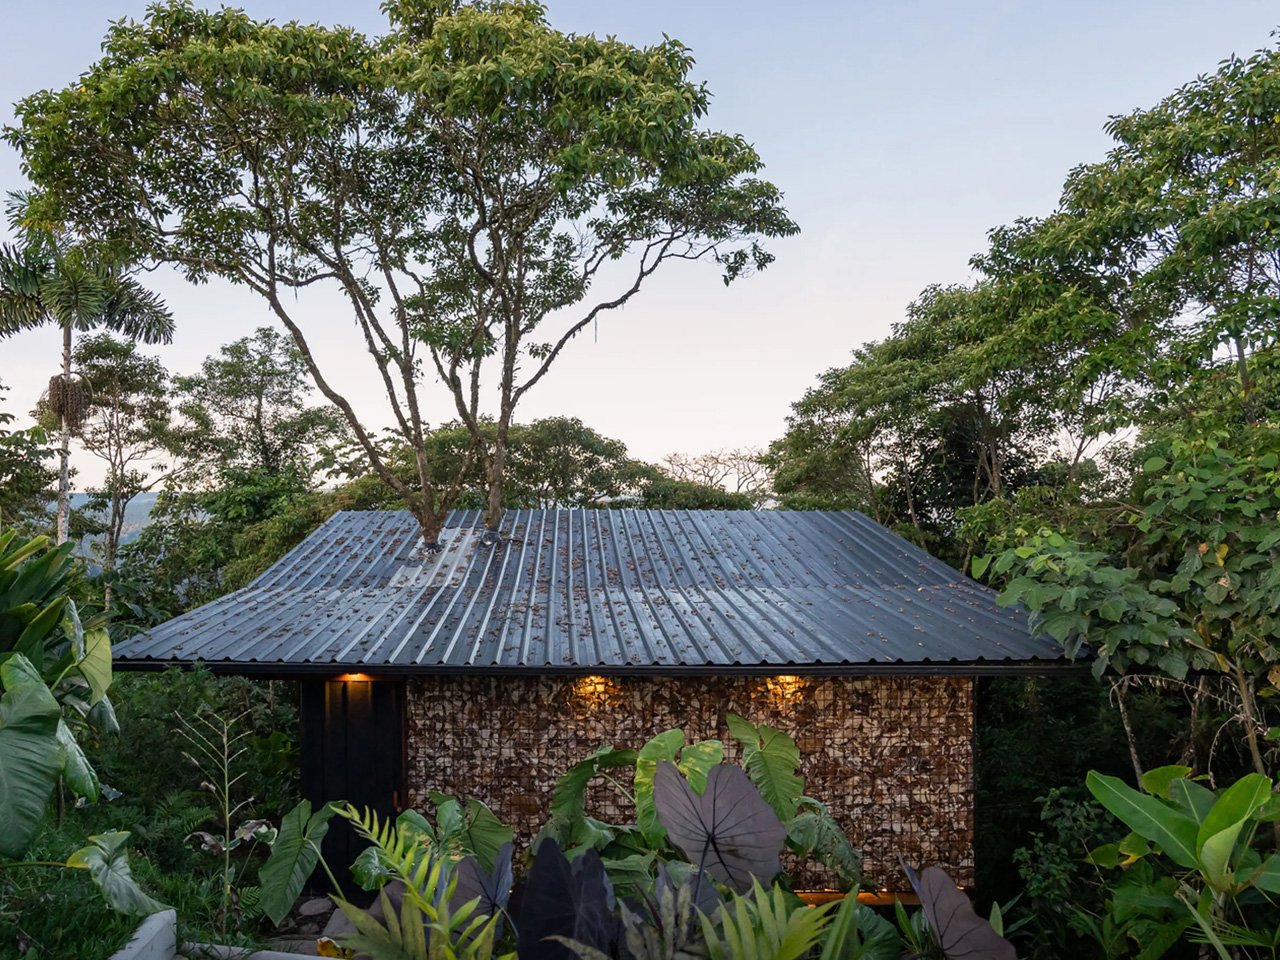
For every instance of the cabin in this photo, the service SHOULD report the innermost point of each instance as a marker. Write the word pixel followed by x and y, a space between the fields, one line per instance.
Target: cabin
pixel 485 669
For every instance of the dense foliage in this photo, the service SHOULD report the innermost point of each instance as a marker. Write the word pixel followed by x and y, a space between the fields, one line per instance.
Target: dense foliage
pixel 1092 426
pixel 462 183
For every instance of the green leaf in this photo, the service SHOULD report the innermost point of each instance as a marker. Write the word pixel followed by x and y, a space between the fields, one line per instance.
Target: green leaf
pixel 771 759
pixel 1267 876
pixel 76 769
pixel 1158 781
pixel 696 761
pixel 815 832
pixel 31 641
pixel 449 820
pixel 1220 830
pixel 1173 830
pixel 630 873
pixel 372 869
pixel 1107 855
pixel 1154 464
pixel 483 834
pixel 294 856
pixel 30 755
pixel 664 746
pixel 107 860
pixel 568 801
pixel 857 932
pixel 95 666
pixel 413 825
pixel 1194 798
pixel 978 566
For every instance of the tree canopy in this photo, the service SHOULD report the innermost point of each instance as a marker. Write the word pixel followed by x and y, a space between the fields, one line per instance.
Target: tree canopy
pixel 463 181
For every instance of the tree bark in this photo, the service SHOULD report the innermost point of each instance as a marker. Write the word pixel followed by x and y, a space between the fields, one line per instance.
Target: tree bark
pixel 497 468
pixel 64 454
pixel 1249 716
pixel 1121 690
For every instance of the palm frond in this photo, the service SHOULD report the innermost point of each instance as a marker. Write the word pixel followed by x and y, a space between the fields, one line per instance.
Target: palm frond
pixel 21 305
pixel 136 312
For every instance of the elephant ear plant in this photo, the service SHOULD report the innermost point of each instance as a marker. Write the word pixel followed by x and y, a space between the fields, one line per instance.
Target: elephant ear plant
pixel 54 676
pixel 698 876
pixel 1225 868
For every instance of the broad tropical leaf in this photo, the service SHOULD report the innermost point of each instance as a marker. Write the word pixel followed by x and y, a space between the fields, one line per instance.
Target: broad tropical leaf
pixel 1267 876
pixel 95 665
pixel 31 756
pixel 1151 818
pixel 1195 799
pixel 814 831
pixel 76 769
pixel 492 888
pixel 569 799
pixel 728 830
pixel 859 933
pixel 107 860
pixel 484 835
pixel 294 856
pixel 1221 828
pixel 961 934
pixel 665 746
pixel 568 899
pixel 1158 782
pixel 772 758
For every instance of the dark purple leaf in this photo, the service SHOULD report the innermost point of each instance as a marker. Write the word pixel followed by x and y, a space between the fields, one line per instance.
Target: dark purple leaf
pixel 565 898
pixel 492 889
pixel 728 831
pixel 960 932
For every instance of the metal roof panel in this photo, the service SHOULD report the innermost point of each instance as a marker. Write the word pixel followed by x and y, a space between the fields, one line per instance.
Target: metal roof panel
pixel 601 589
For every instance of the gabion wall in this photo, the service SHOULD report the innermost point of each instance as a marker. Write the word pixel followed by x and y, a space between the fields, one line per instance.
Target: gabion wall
pixel 891 757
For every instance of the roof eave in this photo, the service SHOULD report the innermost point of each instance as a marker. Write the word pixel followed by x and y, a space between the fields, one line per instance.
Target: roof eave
pixel 277 670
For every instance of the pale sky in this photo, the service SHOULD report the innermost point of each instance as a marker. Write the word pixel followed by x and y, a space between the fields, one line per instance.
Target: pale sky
pixel 900 132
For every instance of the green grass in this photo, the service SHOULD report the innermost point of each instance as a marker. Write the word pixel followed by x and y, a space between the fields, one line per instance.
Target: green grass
pixel 48 913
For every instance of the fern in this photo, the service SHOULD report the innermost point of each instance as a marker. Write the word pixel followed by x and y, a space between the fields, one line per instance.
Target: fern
pixel 251 902
pixel 764 926
pixel 426 927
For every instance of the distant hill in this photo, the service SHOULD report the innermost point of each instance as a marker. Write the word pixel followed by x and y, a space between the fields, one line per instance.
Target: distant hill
pixel 136 515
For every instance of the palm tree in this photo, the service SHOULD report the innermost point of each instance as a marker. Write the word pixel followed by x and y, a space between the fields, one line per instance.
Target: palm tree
pixel 47 279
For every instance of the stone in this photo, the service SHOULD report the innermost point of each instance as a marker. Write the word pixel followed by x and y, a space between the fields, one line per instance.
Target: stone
pixel 892 757
pixel 315 907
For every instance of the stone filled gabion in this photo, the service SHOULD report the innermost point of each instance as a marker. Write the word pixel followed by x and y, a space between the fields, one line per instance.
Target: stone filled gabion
pixel 892 757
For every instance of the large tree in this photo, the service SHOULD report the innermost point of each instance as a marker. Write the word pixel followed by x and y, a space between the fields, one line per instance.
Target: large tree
pixel 51 279
pixel 246 410
pixel 741 471
pixel 479 186
pixel 923 423
pixel 126 427
pixel 1162 257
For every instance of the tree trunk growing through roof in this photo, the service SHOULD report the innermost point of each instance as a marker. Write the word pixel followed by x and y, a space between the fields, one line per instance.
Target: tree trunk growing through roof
pixel 462 181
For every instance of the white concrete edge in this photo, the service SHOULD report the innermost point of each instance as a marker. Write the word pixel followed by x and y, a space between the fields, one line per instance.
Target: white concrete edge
pixel 218 951
pixel 155 939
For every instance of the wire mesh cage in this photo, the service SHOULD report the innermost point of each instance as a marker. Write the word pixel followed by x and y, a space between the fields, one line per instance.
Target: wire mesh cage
pixel 891 757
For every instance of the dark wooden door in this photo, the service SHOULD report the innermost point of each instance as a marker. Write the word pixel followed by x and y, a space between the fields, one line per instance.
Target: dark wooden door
pixel 353 749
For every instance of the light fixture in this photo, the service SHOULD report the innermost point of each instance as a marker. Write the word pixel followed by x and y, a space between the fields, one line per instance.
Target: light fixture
pixel 594 690
pixel 784 688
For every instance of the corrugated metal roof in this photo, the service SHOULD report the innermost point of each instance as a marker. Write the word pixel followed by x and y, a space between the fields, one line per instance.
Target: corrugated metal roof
pixel 604 590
